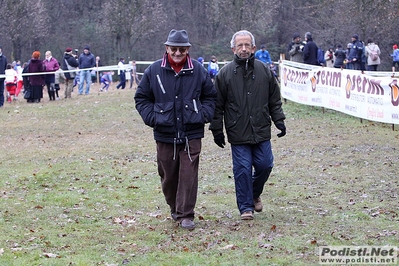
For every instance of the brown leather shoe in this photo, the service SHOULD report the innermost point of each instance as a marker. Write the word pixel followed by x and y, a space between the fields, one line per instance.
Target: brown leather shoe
pixel 248 215
pixel 258 205
pixel 187 224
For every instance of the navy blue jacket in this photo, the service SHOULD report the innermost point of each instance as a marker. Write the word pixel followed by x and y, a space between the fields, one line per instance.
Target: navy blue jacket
pixel 176 105
pixel 356 51
pixel 310 53
pixel 86 61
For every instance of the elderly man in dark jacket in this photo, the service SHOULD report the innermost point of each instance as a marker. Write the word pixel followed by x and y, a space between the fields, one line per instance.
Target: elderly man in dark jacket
pixel 310 51
pixel 176 97
pixel 248 102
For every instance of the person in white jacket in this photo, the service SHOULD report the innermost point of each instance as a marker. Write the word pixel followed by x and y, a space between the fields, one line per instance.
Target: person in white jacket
pixel 372 52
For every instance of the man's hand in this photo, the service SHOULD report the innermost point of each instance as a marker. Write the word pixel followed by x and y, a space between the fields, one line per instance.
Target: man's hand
pixel 282 128
pixel 219 139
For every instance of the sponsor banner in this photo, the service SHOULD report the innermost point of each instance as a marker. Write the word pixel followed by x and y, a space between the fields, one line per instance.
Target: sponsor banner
pixel 351 255
pixel 357 94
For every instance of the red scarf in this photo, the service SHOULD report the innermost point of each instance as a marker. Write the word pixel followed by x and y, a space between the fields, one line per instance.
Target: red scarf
pixel 176 66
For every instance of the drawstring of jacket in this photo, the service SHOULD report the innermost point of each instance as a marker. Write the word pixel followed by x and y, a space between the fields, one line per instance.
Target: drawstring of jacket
pixel 186 148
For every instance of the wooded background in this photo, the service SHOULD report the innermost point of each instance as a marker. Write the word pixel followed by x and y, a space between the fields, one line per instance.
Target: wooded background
pixel 137 29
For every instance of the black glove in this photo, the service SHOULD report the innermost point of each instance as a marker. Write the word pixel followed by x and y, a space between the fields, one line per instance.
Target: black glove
pixel 281 127
pixel 219 140
pixel 297 48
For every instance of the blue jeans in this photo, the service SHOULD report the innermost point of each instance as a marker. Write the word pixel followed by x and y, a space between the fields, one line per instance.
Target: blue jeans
pixel 249 183
pixel 85 75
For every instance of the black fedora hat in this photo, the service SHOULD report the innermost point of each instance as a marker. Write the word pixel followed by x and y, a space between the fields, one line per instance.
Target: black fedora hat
pixel 177 38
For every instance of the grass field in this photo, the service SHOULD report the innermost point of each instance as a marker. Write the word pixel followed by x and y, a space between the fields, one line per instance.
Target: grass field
pixel 79 186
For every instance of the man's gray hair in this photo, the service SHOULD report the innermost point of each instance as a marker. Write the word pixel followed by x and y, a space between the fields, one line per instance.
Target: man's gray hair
pixel 241 33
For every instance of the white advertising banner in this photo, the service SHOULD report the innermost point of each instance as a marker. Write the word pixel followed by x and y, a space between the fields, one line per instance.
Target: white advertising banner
pixel 352 92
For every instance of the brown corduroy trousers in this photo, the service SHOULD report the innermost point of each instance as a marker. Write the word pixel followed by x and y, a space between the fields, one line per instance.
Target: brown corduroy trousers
pixel 178 169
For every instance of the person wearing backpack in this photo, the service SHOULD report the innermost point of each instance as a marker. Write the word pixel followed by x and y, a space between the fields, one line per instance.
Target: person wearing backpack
pixel 372 53
pixel 310 51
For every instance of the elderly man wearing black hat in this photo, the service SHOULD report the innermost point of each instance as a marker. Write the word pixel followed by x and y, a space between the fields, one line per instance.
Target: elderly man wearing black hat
pixel 3 65
pixel 355 53
pixel 176 97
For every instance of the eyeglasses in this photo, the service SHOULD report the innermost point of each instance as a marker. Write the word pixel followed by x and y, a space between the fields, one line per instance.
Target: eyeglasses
pixel 182 50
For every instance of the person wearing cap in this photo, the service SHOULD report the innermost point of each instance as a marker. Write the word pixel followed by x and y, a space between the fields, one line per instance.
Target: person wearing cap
pixel 213 67
pixel 121 73
pixel 310 51
pixel 36 82
pixel 69 64
pixel 3 67
pixel 395 57
pixel 86 62
pixel 355 53
pixel 249 101
pixel 295 49
pixel 176 97
pixel 263 55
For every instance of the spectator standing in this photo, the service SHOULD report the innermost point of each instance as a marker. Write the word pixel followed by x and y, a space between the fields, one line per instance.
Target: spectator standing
pixel 176 97
pixel 355 53
pixel 20 82
pixel 310 51
pixel 121 73
pixel 86 61
pixel 36 82
pixel 135 76
pixel 348 65
pixel 340 56
pixel 3 66
pixel 213 67
pixel 59 75
pixel 395 57
pixel 69 62
pixel 329 57
pixel 51 65
pixel 372 52
pixel 263 55
pixel 201 60
pixel 248 101
pixel 295 49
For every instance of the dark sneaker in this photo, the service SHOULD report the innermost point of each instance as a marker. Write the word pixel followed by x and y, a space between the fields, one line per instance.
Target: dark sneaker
pixel 187 224
pixel 248 215
pixel 258 205
pixel 174 216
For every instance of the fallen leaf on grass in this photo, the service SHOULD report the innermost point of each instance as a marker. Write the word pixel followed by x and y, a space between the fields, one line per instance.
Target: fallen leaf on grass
pixel 231 246
pixel 50 255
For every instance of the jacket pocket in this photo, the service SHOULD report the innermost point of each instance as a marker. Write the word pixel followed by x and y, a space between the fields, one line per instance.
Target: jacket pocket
pixel 164 114
pixel 193 116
